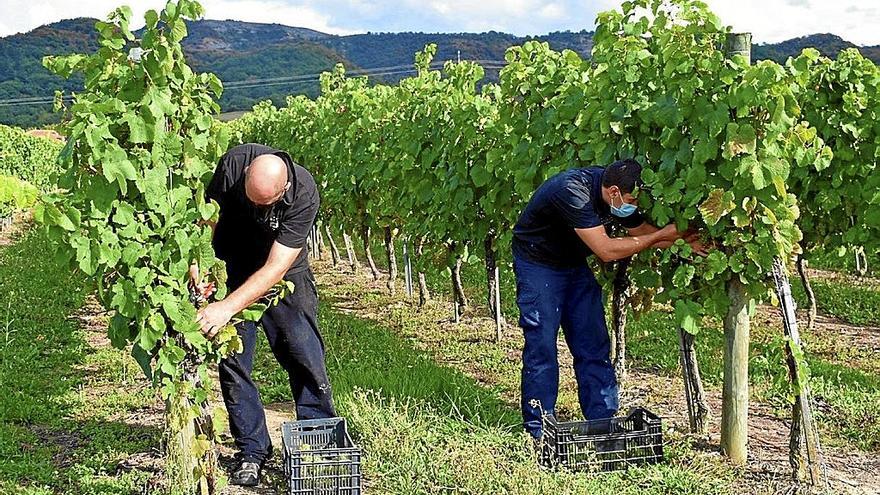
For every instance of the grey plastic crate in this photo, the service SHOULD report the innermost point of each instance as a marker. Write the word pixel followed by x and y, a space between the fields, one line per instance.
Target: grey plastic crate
pixel 320 458
pixel 603 445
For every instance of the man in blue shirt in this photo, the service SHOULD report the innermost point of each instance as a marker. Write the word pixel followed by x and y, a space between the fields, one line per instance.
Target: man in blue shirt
pixel 564 223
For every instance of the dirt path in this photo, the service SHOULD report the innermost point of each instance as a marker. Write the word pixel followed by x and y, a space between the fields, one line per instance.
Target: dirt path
pixel 768 471
pixel 10 231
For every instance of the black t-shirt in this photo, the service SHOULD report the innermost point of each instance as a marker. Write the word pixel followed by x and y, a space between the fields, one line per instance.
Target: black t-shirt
pixel 570 200
pixel 245 233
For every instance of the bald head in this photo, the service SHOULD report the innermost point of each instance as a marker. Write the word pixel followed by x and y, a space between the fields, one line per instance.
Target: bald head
pixel 266 179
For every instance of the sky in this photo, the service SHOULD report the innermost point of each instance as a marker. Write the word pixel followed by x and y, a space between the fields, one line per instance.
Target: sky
pixel 769 20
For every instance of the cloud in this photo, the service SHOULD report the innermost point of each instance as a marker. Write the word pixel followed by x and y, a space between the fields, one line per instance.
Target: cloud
pixel 774 20
pixel 30 14
pixel 277 11
pixel 768 20
pixel 552 11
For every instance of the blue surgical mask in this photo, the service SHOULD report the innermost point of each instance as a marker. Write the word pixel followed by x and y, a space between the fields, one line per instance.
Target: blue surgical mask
pixel 624 210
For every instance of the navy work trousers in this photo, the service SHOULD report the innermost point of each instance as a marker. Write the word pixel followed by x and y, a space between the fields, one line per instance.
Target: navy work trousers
pixel 291 328
pixel 547 298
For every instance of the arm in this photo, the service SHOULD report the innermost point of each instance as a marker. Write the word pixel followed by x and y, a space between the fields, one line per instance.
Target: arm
pixel 216 315
pixel 616 248
pixel 646 228
pixel 691 237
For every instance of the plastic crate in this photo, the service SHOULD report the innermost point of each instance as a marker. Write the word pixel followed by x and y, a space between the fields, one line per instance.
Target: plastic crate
pixel 603 445
pixel 320 458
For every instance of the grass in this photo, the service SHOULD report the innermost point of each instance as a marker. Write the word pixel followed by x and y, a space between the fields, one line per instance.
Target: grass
pixel 830 260
pixel 852 303
pixel 65 408
pixel 847 397
pixel 427 428
pixel 61 402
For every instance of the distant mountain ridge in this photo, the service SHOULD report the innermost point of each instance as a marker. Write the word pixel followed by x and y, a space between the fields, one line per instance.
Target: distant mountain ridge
pixel 829 44
pixel 240 51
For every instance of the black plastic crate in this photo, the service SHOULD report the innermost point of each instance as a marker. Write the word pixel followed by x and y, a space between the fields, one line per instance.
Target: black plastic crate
pixel 320 458
pixel 603 445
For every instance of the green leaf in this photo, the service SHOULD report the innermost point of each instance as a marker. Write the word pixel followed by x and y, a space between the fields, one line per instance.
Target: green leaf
pixel 117 167
pixel 119 331
pixel 717 205
pixel 741 139
pixel 254 312
pixel 683 276
pixel 55 217
pixel 152 19
pixel 143 359
pixel 480 175
pixel 148 337
pixel 687 313
pixel 137 128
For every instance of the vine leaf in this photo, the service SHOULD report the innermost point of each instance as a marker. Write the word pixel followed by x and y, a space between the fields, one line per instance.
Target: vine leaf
pixel 717 205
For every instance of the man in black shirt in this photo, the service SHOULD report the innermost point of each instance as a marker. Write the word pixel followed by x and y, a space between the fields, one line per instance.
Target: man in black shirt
pixel 268 205
pixel 563 223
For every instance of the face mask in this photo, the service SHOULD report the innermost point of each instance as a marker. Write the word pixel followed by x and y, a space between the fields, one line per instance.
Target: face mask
pixel 624 210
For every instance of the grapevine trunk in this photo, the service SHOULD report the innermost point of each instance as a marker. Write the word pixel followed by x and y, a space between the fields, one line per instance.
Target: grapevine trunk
pixel 619 300
pixel 365 237
pixel 334 251
pixel 808 288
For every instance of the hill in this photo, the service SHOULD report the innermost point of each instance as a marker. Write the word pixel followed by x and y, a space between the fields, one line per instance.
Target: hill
pixel 245 54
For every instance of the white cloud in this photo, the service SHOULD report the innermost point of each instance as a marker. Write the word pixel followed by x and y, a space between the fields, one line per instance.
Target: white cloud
pixel 768 20
pixel 777 20
pixel 440 7
pixel 552 11
pixel 268 11
pixel 24 15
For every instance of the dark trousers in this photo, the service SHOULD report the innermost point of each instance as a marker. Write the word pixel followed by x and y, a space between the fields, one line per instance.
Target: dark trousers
pixel 291 328
pixel 547 298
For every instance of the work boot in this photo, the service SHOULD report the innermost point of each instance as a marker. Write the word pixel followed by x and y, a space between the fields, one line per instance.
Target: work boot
pixel 246 474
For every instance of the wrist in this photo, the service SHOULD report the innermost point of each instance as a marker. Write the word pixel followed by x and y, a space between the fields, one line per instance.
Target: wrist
pixel 654 237
pixel 229 307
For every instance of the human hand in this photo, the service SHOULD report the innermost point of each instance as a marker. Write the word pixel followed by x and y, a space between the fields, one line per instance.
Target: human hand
pixel 668 233
pixel 213 317
pixel 698 247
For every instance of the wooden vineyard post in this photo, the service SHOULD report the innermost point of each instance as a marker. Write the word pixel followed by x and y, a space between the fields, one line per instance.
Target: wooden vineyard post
pixel 735 391
pixel 391 258
pixel 407 270
pixel 424 293
pixel 861 261
pixel 497 310
pixel 804 453
pixel 316 242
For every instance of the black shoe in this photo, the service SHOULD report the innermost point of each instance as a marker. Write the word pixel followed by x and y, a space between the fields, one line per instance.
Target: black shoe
pixel 246 474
